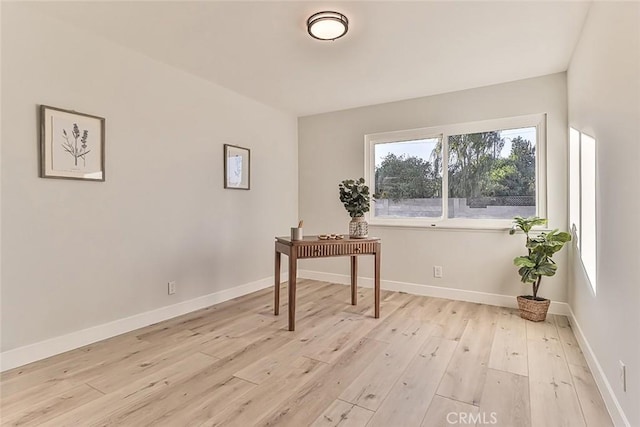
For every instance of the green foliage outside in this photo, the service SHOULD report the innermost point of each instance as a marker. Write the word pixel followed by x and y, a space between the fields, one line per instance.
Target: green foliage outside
pixel 402 177
pixel 476 169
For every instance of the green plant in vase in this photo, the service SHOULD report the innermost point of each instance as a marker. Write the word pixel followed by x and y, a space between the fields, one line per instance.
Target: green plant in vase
pixel 537 263
pixel 355 196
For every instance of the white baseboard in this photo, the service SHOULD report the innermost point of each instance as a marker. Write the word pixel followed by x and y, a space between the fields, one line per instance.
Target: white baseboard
pixel 431 291
pixel 30 353
pixel 611 402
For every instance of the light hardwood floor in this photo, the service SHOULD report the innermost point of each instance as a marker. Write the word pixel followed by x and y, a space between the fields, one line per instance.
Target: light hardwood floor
pixel 425 362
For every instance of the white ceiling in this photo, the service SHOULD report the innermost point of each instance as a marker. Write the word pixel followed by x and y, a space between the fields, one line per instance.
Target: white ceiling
pixel 393 50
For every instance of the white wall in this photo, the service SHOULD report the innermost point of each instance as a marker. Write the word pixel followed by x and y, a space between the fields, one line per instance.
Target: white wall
pixel 331 146
pixel 604 102
pixel 77 254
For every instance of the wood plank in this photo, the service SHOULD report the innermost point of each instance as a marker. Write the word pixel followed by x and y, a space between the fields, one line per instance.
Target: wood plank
pixel 411 395
pixel 593 407
pixel 193 404
pixel 34 396
pixel 113 408
pixel 446 412
pixel 306 289
pixel 453 320
pixel 142 364
pixel 233 344
pixel 374 383
pixel 570 345
pixel 273 363
pixel 542 331
pixel 79 356
pixel 429 308
pixel 261 399
pixel 392 326
pixel 324 294
pixel 509 348
pixel 218 315
pixel 238 335
pixel 312 341
pixel 220 322
pixel 506 398
pixel 193 397
pixel 303 407
pixel 396 298
pixel 553 397
pixel 333 343
pixel 61 369
pixel 366 300
pixel 465 376
pixel 49 408
pixel 343 414
pixel 310 314
pixel 204 371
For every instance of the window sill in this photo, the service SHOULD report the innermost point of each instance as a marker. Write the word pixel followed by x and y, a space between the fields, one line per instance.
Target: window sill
pixel 494 226
pixel 452 225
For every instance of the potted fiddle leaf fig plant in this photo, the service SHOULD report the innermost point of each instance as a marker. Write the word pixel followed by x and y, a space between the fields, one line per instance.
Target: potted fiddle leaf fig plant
pixel 537 263
pixel 354 195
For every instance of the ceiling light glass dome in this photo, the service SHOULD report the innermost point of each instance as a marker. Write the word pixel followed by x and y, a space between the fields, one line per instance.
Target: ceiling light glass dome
pixel 327 25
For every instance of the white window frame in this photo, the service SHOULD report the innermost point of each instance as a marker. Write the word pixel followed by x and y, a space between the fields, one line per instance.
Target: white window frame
pixel 534 120
pixel 576 202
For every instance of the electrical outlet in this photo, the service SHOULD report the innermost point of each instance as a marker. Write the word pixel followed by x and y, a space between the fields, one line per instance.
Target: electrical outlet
pixel 623 375
pixel 437 271
pixel 172 287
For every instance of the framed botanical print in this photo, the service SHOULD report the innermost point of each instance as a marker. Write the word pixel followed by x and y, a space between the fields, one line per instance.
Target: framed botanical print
pixel 237 167
pixel 71 145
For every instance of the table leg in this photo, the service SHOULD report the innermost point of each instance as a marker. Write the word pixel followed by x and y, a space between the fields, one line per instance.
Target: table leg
pixel 293 271
pixel 354 280
pixel 377 281
pixel 276 274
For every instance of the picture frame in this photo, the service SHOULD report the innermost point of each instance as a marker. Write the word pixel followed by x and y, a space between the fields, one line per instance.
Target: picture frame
pixel 71 145
pixel 237 167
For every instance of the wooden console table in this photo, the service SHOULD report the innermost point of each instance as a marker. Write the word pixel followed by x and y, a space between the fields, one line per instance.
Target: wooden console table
pixel 313 247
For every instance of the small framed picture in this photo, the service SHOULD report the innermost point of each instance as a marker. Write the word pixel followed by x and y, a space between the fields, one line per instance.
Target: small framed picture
pixel 71 145
pixel 237 167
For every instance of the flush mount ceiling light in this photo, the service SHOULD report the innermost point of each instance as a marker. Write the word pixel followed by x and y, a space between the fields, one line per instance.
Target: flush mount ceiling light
pixel 327 25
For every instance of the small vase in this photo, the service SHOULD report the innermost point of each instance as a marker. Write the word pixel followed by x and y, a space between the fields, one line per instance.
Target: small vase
pixel 358 228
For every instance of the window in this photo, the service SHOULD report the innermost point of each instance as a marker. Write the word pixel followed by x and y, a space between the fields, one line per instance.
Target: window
pixel 492 174
pixel 408 175
pixel 582 199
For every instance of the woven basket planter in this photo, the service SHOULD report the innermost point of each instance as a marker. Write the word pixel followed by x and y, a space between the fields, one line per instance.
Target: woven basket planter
pixel 533 310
